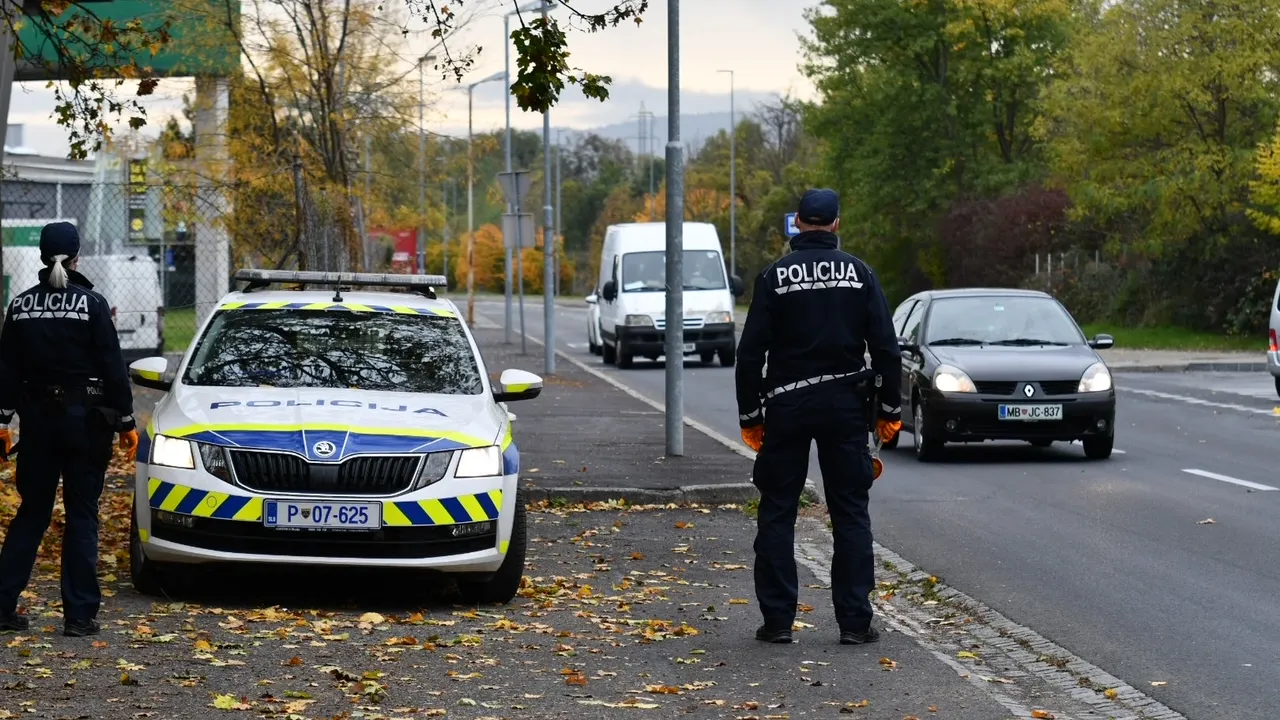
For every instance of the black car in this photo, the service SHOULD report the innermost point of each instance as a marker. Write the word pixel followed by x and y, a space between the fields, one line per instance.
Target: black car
pixel 998 364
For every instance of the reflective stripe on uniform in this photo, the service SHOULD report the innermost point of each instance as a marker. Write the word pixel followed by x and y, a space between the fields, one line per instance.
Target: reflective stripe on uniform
pixel 806 383
pixel 817 285
pixel 890 409
pixel 750 416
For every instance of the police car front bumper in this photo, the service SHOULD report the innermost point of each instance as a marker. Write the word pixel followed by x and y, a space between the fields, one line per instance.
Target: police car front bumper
pixel 455 525
pixel 649 341
pixel 973 417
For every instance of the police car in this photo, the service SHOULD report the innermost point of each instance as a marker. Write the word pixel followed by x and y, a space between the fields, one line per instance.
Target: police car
pixel 321 426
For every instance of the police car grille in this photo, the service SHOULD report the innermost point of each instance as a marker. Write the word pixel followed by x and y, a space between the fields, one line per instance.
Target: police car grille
pixel 279 472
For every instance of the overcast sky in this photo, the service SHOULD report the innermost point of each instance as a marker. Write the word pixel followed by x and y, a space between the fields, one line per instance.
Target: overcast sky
pixel 755 38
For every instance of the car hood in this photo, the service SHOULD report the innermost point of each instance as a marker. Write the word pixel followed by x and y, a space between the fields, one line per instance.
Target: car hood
pixel 998 362
pixel 329 425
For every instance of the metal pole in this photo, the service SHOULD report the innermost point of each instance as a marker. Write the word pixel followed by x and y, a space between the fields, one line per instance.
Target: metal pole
pixel 506 79
pixel 733 181
pixel 471 221
pixel 653 191
pixel 422 175
pixel 559 205
pixel 548 244
pixel 444 235
pixel 674 334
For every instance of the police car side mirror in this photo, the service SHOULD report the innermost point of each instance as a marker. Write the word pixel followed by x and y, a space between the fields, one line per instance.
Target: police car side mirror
pixel 149 373
pixel 610 291
pixel 736 287
pixel 517 385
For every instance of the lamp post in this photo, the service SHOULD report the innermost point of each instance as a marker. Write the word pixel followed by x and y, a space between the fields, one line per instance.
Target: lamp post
pixel 548 246
pixel 471 209
pixel 422 165
pixel 559 204
pixel 674 335
pixel 733 181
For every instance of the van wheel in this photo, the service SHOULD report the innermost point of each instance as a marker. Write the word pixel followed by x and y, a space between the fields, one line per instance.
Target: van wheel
pixel 707 356
pixel 728 356
pixel 608 353
pixel 1278 386
pixel 624 356
pixel 146 575
pixel 503 585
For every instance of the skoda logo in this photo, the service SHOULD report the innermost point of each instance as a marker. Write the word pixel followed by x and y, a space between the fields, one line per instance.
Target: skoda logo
pixel 324 448
pixel 1026 390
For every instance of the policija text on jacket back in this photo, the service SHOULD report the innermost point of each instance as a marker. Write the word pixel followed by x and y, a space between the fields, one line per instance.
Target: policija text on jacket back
pixel 814 316
pixel 62 374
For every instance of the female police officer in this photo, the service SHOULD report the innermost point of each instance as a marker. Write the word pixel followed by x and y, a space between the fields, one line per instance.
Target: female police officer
pixel 61 371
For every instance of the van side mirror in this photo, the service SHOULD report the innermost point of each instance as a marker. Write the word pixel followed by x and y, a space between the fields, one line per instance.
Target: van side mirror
pixel 736 286
pixel 1102 341
pixel 610 291
pixel 149 373
pixel 516 385
pixel 592 299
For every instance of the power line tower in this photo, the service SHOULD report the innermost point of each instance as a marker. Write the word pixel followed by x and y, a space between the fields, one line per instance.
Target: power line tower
pixel 646 141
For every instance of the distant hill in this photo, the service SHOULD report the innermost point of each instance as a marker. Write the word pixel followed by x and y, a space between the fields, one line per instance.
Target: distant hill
pixel 695 129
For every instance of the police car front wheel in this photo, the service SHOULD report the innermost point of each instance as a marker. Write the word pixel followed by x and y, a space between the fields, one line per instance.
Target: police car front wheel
pixel 146 575
pixel 502 586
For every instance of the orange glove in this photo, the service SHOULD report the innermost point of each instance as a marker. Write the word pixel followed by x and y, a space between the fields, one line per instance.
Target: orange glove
pixel 753 437
pixel 6 442
pixel 886 429
pixel 129 443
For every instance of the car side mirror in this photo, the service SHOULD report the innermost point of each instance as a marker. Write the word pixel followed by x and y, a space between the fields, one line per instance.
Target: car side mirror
pixel 610 291
pixel 908 346
pixel 516 385
pixel 736 286
pixel 592 299
pixel 1102 341
pixel 149 373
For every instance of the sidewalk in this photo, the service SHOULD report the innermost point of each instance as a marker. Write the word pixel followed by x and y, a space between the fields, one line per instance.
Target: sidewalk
pixel 583 440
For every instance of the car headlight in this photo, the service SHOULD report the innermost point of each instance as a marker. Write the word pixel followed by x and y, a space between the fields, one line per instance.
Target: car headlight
pixel 479 462
pixel 639 320
pixel 719 317
pixel 952 379
pixel 172 452
pixel 1096 379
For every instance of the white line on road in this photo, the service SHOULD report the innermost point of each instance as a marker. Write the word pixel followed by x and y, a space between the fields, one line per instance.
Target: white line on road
pixel 1198 401
pixel 1228 479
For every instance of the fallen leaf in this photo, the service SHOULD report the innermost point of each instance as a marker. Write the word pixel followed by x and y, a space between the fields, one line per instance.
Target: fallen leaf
pixel 932 708
pixel 1158 683
pixel 683 525
pixel 203 645
pixel 1206 521
pixel 126 680
pixel 575 679
pixel 1043 715
pixel 637 556
pixel 1111 693
pixel 966 654
pixel 888 664
pixel 372 617
pixel 739 601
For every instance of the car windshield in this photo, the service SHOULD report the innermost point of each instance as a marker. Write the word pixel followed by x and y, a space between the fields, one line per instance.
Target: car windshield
pixel 335 349
pixel 647 271
pixel 1000 320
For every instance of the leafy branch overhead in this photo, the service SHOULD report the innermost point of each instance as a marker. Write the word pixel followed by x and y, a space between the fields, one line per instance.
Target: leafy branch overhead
pixel 541 45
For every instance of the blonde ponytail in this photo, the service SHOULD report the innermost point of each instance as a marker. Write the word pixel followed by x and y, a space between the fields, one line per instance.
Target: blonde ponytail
pixel 58 273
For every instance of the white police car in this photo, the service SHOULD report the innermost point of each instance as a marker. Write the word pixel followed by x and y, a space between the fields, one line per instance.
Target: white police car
pixel 329 427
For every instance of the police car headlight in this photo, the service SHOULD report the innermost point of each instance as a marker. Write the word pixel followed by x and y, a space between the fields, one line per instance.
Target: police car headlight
pixel 952 379
pixel 639 320
pixel 479 462
pixel 1096 379
pixel 719 318
pixel 172 452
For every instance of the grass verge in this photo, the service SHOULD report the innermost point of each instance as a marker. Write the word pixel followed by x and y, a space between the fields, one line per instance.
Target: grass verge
pixel 1173 338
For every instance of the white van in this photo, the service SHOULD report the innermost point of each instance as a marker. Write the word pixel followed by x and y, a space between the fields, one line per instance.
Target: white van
pixel 22 267
pixel 632 299
pixel 131 285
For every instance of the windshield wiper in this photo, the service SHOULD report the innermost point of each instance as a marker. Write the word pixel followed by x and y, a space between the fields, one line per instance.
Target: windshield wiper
pixel 1027 341
pixel 957 341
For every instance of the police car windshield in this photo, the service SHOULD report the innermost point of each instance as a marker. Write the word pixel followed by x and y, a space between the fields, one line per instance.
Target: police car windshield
pixel 1001 320
pixel 647 271
pixel 336 349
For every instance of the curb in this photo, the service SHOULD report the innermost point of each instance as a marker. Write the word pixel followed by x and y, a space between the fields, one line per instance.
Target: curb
pixel 1192 367
pixel 810 493
pixel 727 494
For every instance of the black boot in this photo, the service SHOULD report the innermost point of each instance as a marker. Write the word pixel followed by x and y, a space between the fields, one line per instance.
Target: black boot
pixel 13 623
pixel 81 628
pixel 779 635
pixel 849 637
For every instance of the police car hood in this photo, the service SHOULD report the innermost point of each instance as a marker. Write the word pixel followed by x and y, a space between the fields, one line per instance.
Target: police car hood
pixel 328 425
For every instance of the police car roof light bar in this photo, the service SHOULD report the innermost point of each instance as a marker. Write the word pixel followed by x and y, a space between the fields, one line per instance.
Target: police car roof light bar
pixel 423 284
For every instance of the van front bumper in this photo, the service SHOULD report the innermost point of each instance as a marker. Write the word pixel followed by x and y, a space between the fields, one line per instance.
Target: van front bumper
pixel 651 342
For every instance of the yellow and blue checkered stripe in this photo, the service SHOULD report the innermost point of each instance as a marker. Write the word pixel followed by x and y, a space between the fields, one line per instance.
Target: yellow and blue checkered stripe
pixel 348 306
pixel 184 500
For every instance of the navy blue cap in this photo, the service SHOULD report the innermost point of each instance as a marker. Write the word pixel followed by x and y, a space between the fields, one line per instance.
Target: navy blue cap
pixel 819 207
pixel 59 238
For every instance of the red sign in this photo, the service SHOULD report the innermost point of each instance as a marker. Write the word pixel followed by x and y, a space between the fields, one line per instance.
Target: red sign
pixel 404 242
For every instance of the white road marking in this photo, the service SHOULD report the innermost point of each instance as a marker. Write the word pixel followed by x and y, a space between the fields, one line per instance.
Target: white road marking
pixel 1228 479
pixel 1198 401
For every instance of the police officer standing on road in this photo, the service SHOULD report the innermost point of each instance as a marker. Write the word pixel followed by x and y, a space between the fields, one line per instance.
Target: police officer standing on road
pixel 815 314
pixel 62 372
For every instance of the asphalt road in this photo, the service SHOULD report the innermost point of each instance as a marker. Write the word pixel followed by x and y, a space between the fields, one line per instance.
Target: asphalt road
pixel 1114 560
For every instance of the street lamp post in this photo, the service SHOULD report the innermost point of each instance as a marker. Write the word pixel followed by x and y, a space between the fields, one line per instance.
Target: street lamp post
pixel 733 181
pixel 422 165
pixel 559 195
pixel 674 333
pixel 548 245
pixel 471 209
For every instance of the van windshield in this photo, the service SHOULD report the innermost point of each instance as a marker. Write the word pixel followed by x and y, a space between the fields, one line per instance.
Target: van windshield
pixel 647 271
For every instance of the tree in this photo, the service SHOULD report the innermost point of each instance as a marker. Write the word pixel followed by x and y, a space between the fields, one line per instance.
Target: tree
pixel 1266 187
pixel 541 47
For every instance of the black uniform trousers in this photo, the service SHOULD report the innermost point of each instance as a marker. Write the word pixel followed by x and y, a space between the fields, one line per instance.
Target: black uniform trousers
pixel 836 419
pixel 56 443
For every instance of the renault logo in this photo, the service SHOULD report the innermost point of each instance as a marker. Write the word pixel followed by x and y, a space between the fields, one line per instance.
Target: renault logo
pixel 1028 390
pixel 324 448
